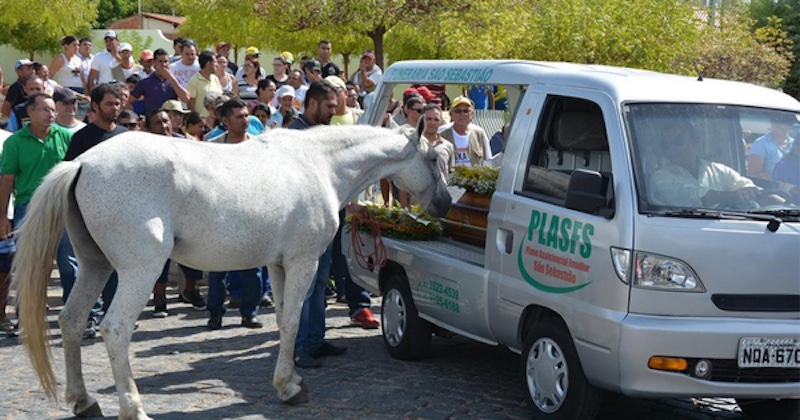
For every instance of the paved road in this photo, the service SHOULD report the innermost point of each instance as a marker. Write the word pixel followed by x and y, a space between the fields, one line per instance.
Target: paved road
pixel 185 371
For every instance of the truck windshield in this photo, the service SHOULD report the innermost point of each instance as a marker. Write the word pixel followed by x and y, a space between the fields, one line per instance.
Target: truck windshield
pixel 719 157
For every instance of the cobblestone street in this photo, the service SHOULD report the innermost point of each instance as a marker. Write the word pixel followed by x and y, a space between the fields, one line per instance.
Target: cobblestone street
pixel 184 370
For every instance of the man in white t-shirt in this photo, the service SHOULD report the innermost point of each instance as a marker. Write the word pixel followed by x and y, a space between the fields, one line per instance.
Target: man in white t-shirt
pixel 469 140
pixel 300 89
pixel 368 74
pixel 103 62
pixel 188 66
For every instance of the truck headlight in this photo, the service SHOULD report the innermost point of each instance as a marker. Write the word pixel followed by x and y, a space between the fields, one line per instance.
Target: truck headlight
pixel 660 272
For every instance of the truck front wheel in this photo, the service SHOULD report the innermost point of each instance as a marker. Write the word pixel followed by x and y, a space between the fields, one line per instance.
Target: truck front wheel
pixel 554 377
pixel 406 335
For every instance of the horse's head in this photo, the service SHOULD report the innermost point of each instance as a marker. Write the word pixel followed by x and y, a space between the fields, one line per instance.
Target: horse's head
pixel 422 178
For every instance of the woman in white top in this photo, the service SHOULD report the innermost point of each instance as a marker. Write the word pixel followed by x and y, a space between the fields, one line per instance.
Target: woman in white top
pixel 227 80
pixel 66 67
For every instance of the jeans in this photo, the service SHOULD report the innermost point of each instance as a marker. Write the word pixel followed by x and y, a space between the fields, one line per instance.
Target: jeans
pixel 357 297
pixel 235 284
pixel 250 280
pixel 67 264
pixel 311 332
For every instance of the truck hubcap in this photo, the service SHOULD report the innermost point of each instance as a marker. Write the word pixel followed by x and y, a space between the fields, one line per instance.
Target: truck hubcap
pixel 547 375
pixel 394 317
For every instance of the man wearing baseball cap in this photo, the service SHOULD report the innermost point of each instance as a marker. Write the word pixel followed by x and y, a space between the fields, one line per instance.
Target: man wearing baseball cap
pixel 224 49
pixel 313 69
pixel 146 61
pixel 126 66
pixel 103 62
pixel 66 108
pixel 16 92
pixel 285 113
pixel 368 74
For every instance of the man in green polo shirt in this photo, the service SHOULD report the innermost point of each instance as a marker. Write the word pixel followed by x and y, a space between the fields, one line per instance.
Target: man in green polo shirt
pixel 28 155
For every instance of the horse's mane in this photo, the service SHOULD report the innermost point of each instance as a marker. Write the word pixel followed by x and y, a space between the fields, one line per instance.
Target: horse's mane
pixel 335 139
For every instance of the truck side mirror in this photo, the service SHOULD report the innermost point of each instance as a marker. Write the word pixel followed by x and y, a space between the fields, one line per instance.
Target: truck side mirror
pixel 586 192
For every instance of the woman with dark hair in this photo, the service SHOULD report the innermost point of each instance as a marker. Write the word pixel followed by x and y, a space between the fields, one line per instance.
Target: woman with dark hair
pixel 263 113
pixel 194 126
pixel 66 67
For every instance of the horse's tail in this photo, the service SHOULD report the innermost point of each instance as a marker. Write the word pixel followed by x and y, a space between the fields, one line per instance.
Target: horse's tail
pixel 40 233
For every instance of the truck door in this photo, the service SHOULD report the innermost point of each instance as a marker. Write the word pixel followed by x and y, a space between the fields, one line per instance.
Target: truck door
pixel 560 258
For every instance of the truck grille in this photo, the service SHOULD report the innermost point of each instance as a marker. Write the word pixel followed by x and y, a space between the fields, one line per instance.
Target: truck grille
pixel 757 303
pixel 727 370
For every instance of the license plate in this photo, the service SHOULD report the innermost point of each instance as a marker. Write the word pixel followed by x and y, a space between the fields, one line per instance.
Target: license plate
pixel 757 352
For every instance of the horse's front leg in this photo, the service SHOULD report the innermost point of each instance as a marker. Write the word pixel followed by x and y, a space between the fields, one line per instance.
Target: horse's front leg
pixel 117 328
pixel 298 276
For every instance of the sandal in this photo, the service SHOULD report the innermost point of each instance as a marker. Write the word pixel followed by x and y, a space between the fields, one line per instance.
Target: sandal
pixel 7 326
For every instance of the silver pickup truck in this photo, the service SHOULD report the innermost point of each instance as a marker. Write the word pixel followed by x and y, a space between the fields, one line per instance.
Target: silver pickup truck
pixel 627 249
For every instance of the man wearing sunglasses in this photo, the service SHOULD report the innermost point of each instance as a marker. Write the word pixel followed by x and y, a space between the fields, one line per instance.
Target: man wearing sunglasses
pixel 470 141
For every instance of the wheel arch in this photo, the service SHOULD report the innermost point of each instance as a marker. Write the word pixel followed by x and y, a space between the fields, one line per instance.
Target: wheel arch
pixel 534 314
pixel 387 271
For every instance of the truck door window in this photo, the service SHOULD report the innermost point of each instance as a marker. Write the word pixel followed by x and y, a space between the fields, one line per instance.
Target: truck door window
pixel 570 135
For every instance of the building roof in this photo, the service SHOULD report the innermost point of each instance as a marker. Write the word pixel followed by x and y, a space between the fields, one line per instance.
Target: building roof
pixel 132 22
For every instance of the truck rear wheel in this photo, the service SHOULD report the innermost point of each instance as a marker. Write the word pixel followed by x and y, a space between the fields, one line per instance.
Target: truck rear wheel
pixel 554 377
pixel 785 409
pixel 406 335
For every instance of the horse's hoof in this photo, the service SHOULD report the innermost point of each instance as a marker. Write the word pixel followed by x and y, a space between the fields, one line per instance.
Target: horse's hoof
pixel 90 411
pixel 299 398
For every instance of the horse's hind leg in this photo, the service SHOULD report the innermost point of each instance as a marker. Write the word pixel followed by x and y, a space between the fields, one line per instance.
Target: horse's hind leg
pixel 72 321
pixel 133 290
pixel 298 276
pixel 277 278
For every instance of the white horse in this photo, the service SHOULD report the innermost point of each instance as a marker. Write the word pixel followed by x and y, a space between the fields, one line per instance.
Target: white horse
pixel 137 199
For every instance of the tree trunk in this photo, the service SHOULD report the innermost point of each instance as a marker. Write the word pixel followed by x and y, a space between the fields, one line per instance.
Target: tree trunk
pixel 377 39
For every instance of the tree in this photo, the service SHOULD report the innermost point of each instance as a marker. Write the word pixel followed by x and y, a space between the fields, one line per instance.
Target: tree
pixel 110 11
pixel 37 25
pixel 730 50
pixel 340 19
pixel 765 12
pixel 606 32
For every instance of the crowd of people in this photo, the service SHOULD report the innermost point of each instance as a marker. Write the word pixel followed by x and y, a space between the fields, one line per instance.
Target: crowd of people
pixel 204 96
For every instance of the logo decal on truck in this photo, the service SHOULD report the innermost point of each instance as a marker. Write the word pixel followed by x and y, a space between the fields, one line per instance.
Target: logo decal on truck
pixel 559 251
pixel 477 75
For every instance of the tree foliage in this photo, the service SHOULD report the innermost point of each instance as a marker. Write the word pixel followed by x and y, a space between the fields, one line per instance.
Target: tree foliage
pixel 730 50
pixel 765 13
pixel 38 25
pixel 662 35
pixel 110 11
pixel 648 34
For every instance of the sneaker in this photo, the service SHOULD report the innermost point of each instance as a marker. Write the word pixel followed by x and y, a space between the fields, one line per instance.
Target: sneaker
pixel 328 349
pixel 365 319
pixel 266 302
pixel 251 322
pixel 341 299
pixel 304 360
pixel 329 292
pixel 91 330
pixel 215 322
pixel 194 297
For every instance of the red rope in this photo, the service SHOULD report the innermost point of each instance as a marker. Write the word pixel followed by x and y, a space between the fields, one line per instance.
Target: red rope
pixel 367 258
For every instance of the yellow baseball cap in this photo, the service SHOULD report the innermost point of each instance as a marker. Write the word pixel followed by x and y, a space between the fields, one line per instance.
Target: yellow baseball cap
pixel 251 51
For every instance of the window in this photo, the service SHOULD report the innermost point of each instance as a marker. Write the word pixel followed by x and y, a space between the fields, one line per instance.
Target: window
pixel 570 135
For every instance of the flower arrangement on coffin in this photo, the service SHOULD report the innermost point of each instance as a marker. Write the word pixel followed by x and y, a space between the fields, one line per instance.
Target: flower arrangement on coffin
pixel 478 179
pixel 408 224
